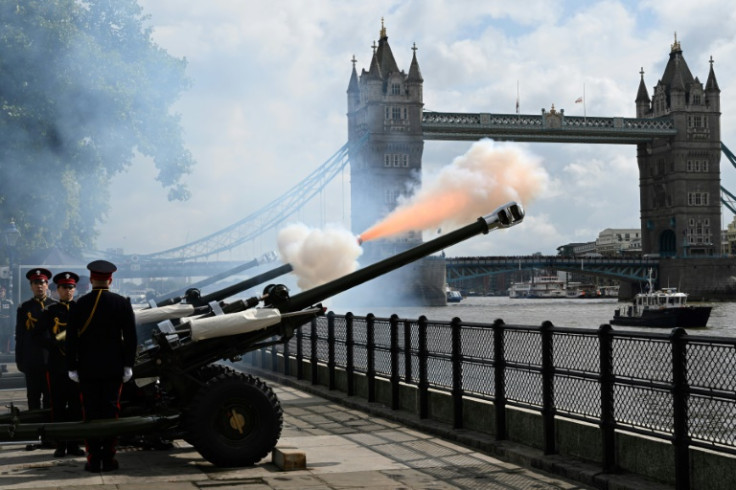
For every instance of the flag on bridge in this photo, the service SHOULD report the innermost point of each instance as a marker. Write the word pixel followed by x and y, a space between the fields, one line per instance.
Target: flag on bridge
pixel 578 100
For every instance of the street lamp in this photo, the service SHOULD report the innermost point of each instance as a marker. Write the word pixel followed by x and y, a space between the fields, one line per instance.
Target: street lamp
pixel 11 235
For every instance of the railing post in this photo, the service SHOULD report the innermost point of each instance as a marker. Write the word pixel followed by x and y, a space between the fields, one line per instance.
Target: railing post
pixel 680 398
pixel 423 372
pixel 408 378
pixel 548 388
pixel 394 353
pixel 349 353
pixel 274 359
pixel 300 352
pixel 607 382
pixel 457 373
pixel 499 371
pixel 287 362
pixel 331 350
pixel 370 332
pixel 314 357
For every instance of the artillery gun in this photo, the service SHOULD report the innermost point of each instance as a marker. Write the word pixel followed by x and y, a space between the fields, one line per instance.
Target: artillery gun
pixel 232 419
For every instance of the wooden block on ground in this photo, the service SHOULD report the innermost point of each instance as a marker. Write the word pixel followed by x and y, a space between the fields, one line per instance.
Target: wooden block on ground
pixel 289 459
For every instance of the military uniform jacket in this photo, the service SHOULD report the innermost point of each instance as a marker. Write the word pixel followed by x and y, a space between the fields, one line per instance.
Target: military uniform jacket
pixel 30 355
pixel 54 322
pixel 100 336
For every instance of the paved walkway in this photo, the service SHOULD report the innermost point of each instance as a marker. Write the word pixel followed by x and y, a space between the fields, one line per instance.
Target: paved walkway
pixel 345 449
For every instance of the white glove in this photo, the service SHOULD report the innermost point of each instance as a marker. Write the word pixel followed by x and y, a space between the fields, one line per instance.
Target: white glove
pixel 74 376
pixel 127 374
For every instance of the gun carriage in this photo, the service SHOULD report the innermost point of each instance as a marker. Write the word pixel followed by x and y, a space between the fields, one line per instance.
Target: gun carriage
pixel 180 390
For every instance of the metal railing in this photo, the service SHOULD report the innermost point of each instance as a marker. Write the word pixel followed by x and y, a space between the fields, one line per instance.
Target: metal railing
pixel 670 386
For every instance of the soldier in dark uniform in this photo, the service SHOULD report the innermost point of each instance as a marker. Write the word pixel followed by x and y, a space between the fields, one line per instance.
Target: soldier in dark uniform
pixel 66 403
pixel 30 355
pixel 101 346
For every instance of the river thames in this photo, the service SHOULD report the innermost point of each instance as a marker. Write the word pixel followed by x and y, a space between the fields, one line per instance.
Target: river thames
pixel 582 313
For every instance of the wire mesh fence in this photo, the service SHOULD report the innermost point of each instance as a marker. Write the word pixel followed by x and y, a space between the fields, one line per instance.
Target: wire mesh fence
pixel 666 385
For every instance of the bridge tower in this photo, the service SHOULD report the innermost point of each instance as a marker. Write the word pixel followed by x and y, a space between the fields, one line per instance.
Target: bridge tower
pixel 385 106
pixel 679 177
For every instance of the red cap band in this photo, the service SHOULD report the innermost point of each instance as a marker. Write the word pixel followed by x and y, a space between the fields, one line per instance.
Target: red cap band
pixel 98 276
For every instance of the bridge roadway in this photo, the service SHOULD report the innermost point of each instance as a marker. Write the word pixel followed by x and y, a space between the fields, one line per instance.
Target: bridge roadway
pixel 551 127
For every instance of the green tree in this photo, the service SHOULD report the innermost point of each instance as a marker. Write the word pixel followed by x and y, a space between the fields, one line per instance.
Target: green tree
pixel 82 88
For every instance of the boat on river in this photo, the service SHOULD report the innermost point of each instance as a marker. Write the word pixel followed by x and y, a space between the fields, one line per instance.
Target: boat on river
pixel 539 287
pixel 453 295
pixel 666 307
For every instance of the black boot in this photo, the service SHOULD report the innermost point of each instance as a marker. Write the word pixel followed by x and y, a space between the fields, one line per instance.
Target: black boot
pixel 60 450
pixel 73 449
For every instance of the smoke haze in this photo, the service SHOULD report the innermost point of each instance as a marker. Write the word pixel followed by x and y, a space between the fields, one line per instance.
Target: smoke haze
pixel 318 256
pixel 473 185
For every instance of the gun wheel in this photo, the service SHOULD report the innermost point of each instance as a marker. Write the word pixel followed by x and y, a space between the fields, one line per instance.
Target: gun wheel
pixel 205 373
pixel 234 420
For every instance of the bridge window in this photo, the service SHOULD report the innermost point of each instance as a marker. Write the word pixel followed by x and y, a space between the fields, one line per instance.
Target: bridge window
pixel 698 198
pixel 696 100
pixel 395 89
pixel 396 160
pixel 699 232
pixel 697 122
pixel 391 196
pixel 697 165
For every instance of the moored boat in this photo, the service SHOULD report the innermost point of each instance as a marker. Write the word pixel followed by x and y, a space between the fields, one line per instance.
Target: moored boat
pixel 665 307
pixel 539 287
pixel 454 296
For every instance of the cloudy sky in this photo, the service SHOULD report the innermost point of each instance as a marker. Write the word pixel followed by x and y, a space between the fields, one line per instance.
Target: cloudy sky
pixel 268 101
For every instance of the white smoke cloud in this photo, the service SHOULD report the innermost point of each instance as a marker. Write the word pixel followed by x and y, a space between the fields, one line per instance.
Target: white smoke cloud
pixel 318 256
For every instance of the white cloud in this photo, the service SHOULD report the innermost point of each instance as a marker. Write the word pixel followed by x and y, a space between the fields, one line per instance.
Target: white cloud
pixel 268 101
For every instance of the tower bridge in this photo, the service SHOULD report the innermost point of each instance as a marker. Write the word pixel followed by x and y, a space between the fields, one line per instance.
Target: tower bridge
pixel 676 131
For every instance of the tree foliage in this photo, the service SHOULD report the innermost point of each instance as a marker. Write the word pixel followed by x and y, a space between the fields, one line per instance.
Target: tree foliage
pixel 82 88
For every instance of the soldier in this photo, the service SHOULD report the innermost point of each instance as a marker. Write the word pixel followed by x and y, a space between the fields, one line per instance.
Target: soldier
pixel 101 345
pixel 30 356
pixel 66 405
pixel 6 328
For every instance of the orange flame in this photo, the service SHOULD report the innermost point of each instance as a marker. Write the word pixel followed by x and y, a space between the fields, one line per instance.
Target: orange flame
pixel 475 183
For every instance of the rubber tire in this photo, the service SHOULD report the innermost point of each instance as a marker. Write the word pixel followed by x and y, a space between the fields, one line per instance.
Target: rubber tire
pixel 257 427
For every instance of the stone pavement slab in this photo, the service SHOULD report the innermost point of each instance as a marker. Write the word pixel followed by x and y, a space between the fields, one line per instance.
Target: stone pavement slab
pixel 345 449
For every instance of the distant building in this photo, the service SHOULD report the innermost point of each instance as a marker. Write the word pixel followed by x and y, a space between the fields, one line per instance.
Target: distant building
pixel 729 238
pixel 615 241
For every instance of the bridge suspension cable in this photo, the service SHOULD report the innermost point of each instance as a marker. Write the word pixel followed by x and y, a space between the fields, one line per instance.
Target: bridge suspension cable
pixel 730 200
pixel 268 217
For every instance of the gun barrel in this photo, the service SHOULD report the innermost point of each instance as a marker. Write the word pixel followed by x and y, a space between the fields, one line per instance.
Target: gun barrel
pixel 508 215
pixel 241 286
pixel 174 297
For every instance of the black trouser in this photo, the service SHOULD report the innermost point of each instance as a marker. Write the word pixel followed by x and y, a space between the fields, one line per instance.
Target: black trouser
pixel 66 403
pixel 37 389
pixel 101 400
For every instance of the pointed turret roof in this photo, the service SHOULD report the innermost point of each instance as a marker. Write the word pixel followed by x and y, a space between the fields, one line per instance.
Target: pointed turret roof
pixel 642 95
pixel 677 75
pixel 415 75
pixel 353 85
pixel 384 56
pixel 711 85
pixel 375 69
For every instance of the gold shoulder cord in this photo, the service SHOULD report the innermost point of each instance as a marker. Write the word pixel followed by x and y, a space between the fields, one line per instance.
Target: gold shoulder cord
pixel 94 308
